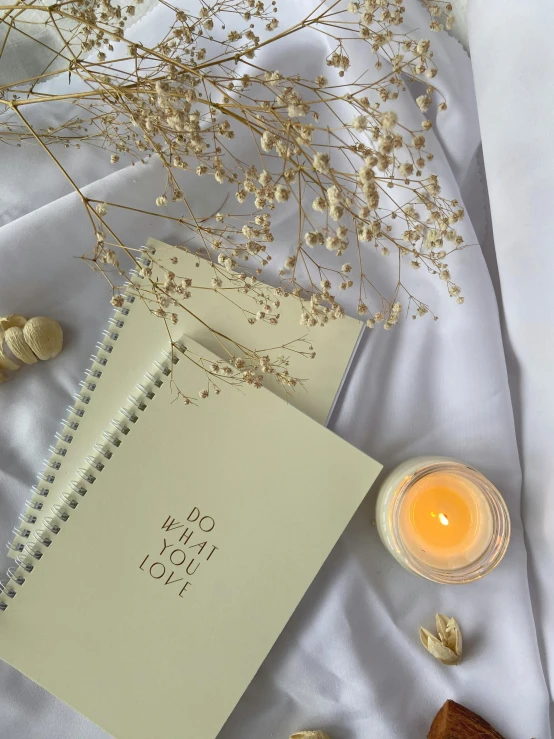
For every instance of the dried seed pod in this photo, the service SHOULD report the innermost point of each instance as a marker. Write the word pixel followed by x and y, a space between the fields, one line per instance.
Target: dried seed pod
pixel 25 340
pixel 18 346
pixel 44 336
pixel 314 734
pixel 447 648
pixel 7 322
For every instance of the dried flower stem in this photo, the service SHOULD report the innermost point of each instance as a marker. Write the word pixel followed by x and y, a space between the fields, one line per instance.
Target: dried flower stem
pixel 354 176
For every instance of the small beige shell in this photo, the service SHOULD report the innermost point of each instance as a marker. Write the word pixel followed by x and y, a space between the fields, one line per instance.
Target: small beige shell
pixel 44 336
pixel 13 320
pixel 6 363
pixel 447 648
pixel 317 734
pixel 18 346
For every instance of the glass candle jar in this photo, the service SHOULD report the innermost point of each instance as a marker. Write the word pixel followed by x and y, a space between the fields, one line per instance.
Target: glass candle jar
pixel 442 519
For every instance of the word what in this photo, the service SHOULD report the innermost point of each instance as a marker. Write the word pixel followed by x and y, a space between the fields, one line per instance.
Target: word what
pixel 184 550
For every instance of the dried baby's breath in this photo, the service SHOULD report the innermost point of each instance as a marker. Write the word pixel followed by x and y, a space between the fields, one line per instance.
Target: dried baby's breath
pixel 332 150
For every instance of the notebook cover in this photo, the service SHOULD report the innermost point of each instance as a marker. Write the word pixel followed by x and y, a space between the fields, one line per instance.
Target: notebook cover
pixel 159 598
pixel 334 343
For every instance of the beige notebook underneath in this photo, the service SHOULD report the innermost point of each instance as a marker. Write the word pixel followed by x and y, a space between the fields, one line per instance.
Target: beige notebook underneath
pixel 134 336
pixel 192 541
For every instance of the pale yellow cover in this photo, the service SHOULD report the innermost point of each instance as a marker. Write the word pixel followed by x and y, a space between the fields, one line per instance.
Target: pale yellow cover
pixel 252 493
pixel 333 343
pixel 143 336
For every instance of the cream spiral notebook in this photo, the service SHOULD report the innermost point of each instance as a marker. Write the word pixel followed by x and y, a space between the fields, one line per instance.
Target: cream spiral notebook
pixel 133 337
pixel 178 554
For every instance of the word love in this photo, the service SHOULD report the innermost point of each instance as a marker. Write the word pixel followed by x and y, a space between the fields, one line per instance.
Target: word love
pixel 185 547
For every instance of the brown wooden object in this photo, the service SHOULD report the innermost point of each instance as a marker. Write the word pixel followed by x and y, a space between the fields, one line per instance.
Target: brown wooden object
pixel 454 721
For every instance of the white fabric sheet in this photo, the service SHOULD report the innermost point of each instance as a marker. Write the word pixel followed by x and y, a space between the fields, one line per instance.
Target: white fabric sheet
pixel 513 69
pixel 350 660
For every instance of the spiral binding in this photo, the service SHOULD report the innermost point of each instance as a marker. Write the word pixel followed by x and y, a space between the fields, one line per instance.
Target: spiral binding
pixel 35 548
pixel 75 412
pixel 23 533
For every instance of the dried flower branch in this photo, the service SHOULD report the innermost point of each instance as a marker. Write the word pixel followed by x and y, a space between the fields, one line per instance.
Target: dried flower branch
pixel 331 150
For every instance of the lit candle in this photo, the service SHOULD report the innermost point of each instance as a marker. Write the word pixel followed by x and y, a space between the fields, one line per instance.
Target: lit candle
pixel 442 519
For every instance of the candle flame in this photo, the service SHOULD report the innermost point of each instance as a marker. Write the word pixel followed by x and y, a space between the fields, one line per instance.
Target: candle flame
pixel 443 519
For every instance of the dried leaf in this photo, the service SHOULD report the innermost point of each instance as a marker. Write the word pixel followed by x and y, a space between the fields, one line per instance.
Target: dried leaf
pixel 317 734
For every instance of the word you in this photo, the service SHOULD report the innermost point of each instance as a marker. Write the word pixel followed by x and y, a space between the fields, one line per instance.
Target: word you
pixel 185 548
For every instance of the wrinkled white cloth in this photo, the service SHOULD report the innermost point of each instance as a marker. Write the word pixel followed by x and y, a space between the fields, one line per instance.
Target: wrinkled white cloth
pixel 349 661
pixel 513 68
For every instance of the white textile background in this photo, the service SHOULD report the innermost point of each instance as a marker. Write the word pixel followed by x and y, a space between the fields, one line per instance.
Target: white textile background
pixel 513 69
pixel 349 661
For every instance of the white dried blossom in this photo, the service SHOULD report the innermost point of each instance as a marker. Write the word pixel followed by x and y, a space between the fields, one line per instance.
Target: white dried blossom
pixel 389 120
pixel 321 162
pixel 423 102
pixel 339 60
pixel 314 238
pixel 298 109
pixel 366 174
pixel 111 257
pixel 359 123
pixel 197 92
pixel 290 262
pixel 423 47
pixel 333 243
pixel 268 141
pixel 281 194
pixel 273 78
